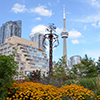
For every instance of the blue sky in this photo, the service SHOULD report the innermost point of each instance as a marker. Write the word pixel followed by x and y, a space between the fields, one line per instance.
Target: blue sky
pixel 82 22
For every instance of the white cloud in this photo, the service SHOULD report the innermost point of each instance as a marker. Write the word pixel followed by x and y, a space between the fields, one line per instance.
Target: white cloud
pixel 49 4
pixel 41 10
pixel 38 18
pixel 96 25
pixel 74 34
pixel 84 27
pixel 42 29
pixel 75 41
pixel 58 30
pixel 39 29
pixel 18 8
pixel 89 19
pixel 95 3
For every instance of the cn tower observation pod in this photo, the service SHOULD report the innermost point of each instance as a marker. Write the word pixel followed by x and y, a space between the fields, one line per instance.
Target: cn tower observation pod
pixel 64 34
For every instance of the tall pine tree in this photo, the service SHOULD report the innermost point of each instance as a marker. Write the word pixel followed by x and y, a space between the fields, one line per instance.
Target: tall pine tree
pixel 98 66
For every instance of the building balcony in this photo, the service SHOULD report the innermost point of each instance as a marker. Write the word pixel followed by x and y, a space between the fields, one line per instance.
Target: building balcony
pixel 18 60
pixel 31 63
pixel 29 59
pixel 24 50
pixel 26 55
pixel 1 53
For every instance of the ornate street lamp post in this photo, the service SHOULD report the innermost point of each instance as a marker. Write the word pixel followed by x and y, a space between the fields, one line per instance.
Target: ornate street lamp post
pixel 52 38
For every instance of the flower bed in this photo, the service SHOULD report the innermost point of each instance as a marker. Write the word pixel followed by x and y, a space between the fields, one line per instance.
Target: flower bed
pixel 38 91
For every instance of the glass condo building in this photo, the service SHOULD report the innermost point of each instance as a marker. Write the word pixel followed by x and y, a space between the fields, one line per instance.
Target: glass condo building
pixel 9 29
pixel 29 57
pixel 74 60
pixel 38 38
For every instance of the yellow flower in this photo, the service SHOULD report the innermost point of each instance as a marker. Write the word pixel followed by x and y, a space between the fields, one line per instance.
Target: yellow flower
pixel 39 91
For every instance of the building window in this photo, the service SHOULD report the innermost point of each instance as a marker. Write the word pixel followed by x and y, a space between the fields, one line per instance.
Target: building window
pixel 16 78
pixel 9 52
pixel 5 53
pixel 10 44
pixel 9 48
pixel 5 49
pixel 36 61
pixel 27 72
pixel 3 34
pixel 16 31
pixel 31 63
pixel 1 50
pixel 21 64
pixel 11 31
pixel 30 50
pixel 3 46
pixel 35 51
pixel 21 68
pixel 18 59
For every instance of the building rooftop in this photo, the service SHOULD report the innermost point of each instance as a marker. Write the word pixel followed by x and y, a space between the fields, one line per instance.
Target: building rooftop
pixel 16 39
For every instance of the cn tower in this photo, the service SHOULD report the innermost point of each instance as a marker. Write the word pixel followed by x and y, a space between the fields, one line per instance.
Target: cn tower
pixel 64 35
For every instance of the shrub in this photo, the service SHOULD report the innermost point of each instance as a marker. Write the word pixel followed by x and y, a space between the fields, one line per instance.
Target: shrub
pixel 70 81
pixel 88 83
pixel 8 69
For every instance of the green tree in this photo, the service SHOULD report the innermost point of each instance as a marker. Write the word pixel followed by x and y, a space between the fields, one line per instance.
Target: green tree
pixel 35 76
pixel 60 69
pixel 86 68
pixel 8 69
pixel 98 66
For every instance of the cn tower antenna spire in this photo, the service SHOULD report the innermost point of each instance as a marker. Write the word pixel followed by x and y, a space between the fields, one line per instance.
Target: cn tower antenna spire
pixel 64 19
pixel 64 34
pixel 63 11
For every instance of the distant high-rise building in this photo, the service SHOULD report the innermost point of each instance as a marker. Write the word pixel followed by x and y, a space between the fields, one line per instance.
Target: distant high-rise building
pixel 64 35
pixel 9 29
pixel 74 60
pixel 38 38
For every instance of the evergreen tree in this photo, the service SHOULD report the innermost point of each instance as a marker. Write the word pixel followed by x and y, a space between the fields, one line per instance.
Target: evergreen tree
pixel 60 69
pixel 86 68
pixel 98 66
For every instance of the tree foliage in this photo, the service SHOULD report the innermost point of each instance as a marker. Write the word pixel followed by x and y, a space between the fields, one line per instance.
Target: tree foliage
pixel 98 66
pixel 8 69
pixel 60 69
pixel 86 68
pixel 35 76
